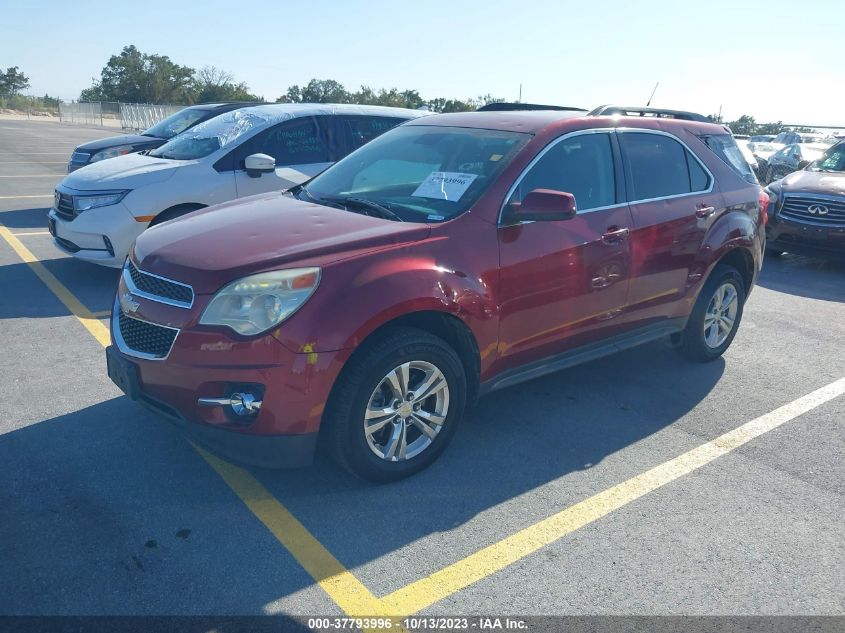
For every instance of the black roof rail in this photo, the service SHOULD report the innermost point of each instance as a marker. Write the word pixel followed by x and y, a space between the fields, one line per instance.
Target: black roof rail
pixel 504 107
pixel 607 110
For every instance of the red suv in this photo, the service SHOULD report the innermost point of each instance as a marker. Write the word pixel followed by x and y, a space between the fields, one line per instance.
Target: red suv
pixel 454 255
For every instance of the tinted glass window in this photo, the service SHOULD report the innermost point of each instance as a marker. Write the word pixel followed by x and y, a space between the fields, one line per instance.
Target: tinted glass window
pixel 726 148
pixel 300 141
pixel 358 130
pixel 659 166
pixel 581 165
pixel 176 123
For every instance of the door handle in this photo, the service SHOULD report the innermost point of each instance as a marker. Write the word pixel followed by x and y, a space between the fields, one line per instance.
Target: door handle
pixel 702 211
pixel 614 235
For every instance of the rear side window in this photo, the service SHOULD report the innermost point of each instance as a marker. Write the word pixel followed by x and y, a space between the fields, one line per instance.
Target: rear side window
pixel 357 130
pixel 581 165
pixel 659 166
pixel 725 147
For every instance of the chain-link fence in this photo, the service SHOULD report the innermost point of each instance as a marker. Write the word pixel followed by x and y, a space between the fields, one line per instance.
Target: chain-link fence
pixel 127 116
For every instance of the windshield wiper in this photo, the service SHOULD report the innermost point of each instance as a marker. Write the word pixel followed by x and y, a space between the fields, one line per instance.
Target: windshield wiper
pixel 380 210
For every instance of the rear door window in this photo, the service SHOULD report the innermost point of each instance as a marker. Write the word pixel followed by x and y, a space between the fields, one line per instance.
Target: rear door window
pixel 581 165
pixel 659 166
pixel 725 147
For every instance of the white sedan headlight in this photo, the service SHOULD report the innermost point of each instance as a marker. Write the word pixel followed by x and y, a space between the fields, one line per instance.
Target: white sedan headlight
pixel 259 302
pixel 100 199
pixel 111 152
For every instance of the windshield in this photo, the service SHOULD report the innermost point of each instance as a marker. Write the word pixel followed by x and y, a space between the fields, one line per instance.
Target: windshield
pixel 764 147
pixel 176 123
pixel 420 173
pixel 833 159
pixel 205 138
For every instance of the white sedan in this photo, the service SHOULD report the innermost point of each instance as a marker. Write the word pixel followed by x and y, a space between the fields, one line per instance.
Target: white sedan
pixel 100 209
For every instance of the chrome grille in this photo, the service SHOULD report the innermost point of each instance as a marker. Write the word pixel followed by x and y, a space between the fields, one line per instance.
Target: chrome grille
pixel 64 206
pixel 158 288
pixel 816 210
pixel 144 339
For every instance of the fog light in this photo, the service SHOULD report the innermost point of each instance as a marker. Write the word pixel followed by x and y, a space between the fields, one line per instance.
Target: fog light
pixel 241 404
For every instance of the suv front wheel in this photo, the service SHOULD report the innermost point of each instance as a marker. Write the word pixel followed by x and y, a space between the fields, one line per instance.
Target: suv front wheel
pixel 715 317
pixel 396 405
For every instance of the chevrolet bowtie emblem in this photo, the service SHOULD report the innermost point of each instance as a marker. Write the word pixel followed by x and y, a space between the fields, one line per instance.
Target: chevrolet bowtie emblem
pixel 128 303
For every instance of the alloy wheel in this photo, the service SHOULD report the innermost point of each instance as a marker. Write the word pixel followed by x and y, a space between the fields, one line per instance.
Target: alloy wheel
pixel 406 411
pixel 720 318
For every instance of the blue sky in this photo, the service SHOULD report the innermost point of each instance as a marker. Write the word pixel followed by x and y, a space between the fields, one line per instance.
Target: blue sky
pixel 775 60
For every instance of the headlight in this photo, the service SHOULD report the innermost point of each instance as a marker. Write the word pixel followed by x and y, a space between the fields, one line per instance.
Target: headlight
pixel 111 152
pixel 256 303
pixel 100 199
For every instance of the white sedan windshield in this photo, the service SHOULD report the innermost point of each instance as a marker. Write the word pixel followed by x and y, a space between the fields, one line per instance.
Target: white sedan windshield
pixel 210 136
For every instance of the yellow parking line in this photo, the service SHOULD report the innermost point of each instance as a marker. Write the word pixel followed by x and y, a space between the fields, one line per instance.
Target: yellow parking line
pixel 36 176
pixel 340 584
pixel 495 557
pixel 83 314
pixel 26 233
pixel 343 586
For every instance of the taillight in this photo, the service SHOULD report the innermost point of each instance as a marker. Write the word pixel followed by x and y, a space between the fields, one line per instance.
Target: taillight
pixel 763 200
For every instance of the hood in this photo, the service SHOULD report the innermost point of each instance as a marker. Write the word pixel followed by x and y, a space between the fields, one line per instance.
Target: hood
pixel 211 247
pixel 824 182
pixel 136 140
pixel 123 172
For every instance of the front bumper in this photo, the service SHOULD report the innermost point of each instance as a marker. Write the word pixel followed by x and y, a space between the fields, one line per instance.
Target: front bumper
pixel 805 239
pixel 211 363
pixel 82 237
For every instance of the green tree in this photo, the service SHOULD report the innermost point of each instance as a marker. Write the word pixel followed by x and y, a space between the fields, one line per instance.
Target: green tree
pixel 743 125
pixel 137 77
pixel 12 82
pixel 212 84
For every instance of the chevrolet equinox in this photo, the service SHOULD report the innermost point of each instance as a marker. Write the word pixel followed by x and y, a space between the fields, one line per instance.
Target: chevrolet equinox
pixel 451 256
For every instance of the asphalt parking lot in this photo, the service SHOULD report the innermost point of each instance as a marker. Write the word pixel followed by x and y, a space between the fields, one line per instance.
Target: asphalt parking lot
pixel 637 484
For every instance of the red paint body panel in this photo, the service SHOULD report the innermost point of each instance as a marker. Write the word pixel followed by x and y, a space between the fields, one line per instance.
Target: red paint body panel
pixel 525 292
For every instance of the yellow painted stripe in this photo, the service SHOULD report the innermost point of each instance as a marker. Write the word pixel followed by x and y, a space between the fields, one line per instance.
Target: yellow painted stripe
pixel 495 557
pixel 83 314
pixel 340 584
pixel 36 176
pixel 102 314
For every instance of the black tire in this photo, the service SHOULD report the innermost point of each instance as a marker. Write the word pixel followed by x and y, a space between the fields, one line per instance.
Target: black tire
pixel 343 432
pixel 693 344
pixel 175 212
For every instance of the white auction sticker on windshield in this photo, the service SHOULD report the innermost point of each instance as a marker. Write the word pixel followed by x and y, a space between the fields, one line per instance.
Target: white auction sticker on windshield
pixel 445 185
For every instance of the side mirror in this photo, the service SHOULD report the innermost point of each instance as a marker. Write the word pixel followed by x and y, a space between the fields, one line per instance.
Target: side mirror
pixel 542 205
pixel 257 164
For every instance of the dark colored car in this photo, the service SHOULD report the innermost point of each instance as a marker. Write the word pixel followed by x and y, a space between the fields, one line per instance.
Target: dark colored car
pixel 808 209
pixel 156 136
pixel 792 158
pixel 453 255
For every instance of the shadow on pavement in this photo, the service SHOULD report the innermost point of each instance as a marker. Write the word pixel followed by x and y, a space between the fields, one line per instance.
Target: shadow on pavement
pixel 33 219
pixel 109 511
pixel 25 296
pixel 804 276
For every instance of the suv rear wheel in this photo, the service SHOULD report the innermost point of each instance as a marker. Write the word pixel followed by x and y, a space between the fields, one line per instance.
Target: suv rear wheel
pixel 396 405
pixel 715 317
